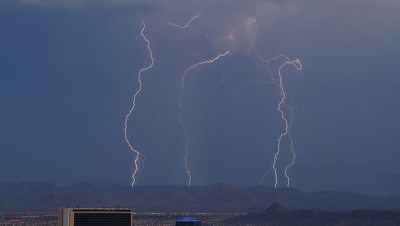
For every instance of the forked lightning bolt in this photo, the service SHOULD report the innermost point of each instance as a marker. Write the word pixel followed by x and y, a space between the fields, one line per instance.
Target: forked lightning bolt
pixel 139 78
pixel 284 109
pixel 181 110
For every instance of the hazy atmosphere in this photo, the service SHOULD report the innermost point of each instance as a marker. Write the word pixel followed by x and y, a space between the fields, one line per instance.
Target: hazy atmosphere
pixel 69 72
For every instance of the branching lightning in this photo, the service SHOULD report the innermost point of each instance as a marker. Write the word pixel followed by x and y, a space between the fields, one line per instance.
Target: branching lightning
pixel 139 78
pixel 181 109
pixel 285 110
pixel 245 43
pixel 196 16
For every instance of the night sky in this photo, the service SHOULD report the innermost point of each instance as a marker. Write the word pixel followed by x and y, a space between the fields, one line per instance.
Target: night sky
pixel 69 71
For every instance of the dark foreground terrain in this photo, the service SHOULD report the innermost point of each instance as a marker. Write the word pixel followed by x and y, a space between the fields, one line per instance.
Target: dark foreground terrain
pixel 215 198
pixel 278 215
pixel 274 215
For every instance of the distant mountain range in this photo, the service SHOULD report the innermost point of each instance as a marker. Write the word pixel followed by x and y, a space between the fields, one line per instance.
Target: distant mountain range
pixel 38 196
pixel 356 178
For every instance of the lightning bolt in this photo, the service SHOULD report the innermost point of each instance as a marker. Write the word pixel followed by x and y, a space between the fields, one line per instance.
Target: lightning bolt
pixel 249 22
pixel 285 110
pixel 181 109
pixel 288 123
pixel 196 16
pixel 139 78
pixel 293 155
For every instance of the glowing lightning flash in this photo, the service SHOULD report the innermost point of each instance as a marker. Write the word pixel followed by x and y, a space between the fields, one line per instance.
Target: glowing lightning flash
pixel 181 108
pixel 196 16
pixel 139 78
pixel 288 121
pixel 250 30
pixel 296 63
pixel 285 110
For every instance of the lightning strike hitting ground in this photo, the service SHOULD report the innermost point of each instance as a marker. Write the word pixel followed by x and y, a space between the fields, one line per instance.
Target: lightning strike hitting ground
pixel 285 110
pixel 244 42
pixel 250 30
pixel 181 109
pixel 139 78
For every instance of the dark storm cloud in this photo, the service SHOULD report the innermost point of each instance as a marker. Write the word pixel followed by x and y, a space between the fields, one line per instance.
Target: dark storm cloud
pixel 69 71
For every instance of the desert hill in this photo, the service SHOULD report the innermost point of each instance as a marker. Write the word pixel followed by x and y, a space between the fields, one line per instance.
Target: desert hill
pixel 37 196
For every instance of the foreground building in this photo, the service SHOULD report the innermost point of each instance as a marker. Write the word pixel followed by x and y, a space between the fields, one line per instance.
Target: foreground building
pixel 94 216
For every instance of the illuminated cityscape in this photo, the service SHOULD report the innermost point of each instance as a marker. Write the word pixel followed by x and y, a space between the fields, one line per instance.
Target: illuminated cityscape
pixel 142 218
pixel 28 218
